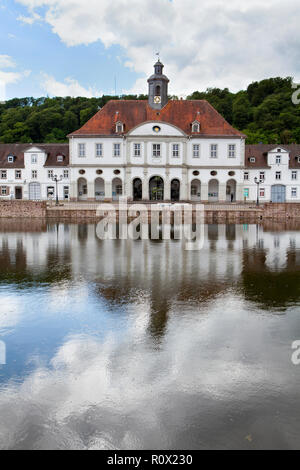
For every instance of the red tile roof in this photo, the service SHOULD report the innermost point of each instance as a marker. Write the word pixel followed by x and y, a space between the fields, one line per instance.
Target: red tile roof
pixel 260 152
pixel 179 113
pixel 17 150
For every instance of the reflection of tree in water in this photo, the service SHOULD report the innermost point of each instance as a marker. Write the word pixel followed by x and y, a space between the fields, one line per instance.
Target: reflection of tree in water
pixel 270 289
pixel 14 261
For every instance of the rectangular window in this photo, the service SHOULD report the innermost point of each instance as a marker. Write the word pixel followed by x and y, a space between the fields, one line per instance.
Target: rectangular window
pixel 18 174
pixel 294 192
pixel 117 150
pixel 175 150
pixel 278 175
pixel 278 159
pixel 50 174
pixel 196 151
pixel 262 176
pixel 156 150
pixel 33 159
pixel 137 150
pixel 66 174
pixel 34 174
pixel 262 192
pixel 231 151
pixel 294 175
pixel 81 150
pixel 214 151
pixel 3 190
pixel 50 192
pixel 246 176
pixel 3 174
pixel 99 150
pixel 60 158
pixel 11 159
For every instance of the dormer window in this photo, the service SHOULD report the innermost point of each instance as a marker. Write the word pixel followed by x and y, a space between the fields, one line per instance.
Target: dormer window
pixel 298 159
pixel 252 159
pixel 119 127
pixel 195 127
pixel 10 158
pixel 60 158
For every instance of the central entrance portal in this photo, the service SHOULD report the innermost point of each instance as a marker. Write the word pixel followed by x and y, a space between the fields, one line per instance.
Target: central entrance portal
pixel 156 189
pixel 175 190
pixel 137 189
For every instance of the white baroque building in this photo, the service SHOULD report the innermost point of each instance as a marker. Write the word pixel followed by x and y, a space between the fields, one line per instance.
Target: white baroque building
pixel 157 150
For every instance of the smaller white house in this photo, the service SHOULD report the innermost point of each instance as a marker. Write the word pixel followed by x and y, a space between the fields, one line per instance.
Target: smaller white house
pixel 272 173
pixel 29 171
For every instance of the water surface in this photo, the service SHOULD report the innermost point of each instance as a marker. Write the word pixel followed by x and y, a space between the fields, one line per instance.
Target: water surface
pixel 144 345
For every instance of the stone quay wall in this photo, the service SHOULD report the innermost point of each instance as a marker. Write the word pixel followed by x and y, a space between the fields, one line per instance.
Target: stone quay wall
pixel 22 209
pixel 269 211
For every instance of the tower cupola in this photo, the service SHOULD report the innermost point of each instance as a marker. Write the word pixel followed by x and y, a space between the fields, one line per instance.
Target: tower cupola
pixel 158 87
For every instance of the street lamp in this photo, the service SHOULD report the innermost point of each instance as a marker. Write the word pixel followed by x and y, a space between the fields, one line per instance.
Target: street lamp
pixel 56 181
pixel 256 181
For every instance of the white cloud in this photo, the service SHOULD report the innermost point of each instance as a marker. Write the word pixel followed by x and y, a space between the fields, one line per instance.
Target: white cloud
pixel 207 43
pixel 7 77
pixel 70 87
pixel 29 19
pixel 6 62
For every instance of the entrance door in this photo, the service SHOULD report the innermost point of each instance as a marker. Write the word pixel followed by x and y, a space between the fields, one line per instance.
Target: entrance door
pixel 278 193
pixel 35 191
pixel 137 189
pixel 175 190
pixel 156 189
pixel 18 193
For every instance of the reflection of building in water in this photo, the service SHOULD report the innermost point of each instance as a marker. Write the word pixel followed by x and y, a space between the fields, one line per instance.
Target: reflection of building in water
pixel 155 277
pixel 34 253
pixel 271 250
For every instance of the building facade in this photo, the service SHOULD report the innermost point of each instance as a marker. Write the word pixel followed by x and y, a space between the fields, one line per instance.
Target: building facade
pixel 155 150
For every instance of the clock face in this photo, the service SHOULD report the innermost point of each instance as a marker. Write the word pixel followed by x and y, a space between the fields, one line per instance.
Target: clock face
pixel 157 99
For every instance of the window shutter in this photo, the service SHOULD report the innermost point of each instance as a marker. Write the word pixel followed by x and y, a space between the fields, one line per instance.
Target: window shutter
pixel 7 190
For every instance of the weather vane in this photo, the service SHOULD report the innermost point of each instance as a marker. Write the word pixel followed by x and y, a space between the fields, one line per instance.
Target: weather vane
pixel 158 54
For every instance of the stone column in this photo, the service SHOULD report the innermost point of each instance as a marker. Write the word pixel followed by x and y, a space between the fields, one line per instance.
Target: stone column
pixel 145 184
pixel 91 191
pixel 145 153
pixel 73 191
pixel 184 185
pixel 240 192
pixel 108 190
pixel 222 192
pixel 167 188
pixel 167 154
pixel 128 184
pixel 204 192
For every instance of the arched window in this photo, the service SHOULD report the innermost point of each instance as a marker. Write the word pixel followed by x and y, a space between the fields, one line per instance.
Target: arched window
pixel 195 127
pixel 157 90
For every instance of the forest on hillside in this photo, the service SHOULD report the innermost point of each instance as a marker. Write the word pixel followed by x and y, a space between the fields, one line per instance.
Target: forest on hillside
pixel 264 112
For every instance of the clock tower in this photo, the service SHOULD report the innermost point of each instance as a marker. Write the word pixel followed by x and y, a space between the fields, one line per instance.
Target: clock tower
pixel 158 87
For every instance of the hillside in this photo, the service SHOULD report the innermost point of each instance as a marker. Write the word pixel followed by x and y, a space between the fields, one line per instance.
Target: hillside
pixel 264 112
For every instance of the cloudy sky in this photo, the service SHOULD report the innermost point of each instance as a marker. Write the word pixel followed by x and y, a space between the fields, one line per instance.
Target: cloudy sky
pixel 78 47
